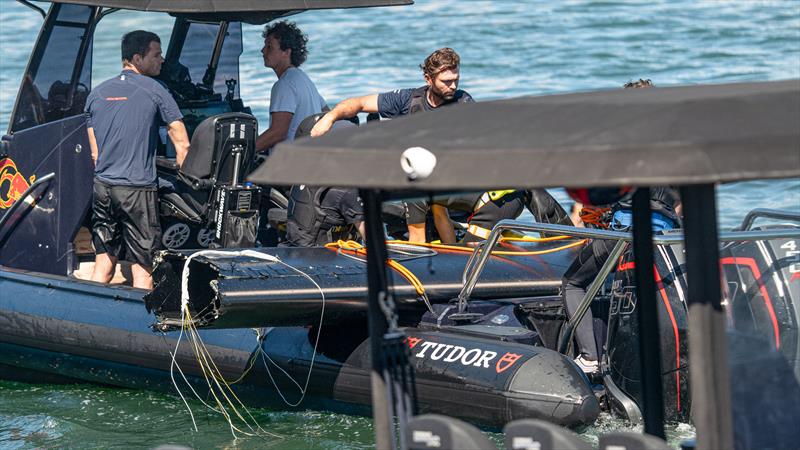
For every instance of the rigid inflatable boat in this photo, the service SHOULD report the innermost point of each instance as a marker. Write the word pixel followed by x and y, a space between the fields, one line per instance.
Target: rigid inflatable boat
pixel 488 330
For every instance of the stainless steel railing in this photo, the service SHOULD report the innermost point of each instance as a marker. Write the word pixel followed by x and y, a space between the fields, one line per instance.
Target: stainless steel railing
pixel 481 254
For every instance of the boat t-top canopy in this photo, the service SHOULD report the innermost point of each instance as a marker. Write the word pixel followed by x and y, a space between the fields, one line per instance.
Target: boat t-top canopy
pixel 646 137
pixel 249 11
pixel 692 136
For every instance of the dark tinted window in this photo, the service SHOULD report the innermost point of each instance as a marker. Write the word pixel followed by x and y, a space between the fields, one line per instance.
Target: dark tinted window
pixel 72 13
pixel 228 67
pixel 198 49
pixel 48 90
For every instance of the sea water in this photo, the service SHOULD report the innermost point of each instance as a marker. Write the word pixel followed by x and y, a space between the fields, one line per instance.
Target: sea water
pixel 508 48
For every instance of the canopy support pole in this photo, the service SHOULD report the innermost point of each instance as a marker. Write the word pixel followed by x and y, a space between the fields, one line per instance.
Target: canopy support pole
pixel 647 312
pixel 377 287
pixel 708 343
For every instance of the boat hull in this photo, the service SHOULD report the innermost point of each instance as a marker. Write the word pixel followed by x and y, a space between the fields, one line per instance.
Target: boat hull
pixel 59 329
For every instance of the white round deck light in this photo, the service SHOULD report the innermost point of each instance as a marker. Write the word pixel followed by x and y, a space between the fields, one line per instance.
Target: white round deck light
pixel 418 163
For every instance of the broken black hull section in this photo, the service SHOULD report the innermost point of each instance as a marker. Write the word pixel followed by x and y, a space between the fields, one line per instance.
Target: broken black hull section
pixel 236 290
pixel 64 330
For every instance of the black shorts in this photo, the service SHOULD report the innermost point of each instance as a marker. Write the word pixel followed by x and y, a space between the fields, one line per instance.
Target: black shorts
pixel 125 222
pixel 417 210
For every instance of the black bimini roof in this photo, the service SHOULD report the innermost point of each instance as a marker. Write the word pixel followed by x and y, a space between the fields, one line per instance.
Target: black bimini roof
pixel 250 11
pixel 645 137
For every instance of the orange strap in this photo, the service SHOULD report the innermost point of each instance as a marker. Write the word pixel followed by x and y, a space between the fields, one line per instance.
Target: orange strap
pixel 595 215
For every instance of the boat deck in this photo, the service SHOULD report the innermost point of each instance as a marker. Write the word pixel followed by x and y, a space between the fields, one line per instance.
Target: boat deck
pixel 84 250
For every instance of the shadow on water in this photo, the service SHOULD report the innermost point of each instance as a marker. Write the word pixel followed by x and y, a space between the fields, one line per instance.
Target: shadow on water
pixel 58 416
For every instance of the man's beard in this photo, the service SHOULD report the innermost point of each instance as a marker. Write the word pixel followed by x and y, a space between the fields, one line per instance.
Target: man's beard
pixel 446 97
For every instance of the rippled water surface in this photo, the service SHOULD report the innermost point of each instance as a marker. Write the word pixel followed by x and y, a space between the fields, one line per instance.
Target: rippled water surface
pixel 508 48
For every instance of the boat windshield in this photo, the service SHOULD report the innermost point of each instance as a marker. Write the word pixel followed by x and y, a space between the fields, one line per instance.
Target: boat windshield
pixel 57 81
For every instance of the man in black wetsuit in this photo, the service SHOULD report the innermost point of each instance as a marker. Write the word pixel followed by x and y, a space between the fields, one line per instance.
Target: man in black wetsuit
pixel 317 216
pixel 486 210
pixel 441 73
pixel 665 204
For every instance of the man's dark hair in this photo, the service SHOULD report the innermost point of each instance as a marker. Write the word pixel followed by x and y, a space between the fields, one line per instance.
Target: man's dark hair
pixel 289 37
pixel 137 43
pixel 443 59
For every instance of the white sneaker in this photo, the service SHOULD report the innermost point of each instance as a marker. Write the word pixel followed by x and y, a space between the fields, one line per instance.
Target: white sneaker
pixel 588 366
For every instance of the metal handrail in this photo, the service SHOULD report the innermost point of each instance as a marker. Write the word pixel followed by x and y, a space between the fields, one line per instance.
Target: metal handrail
pixel 767 213
pixel 22 200
pixel 33 7
pixel 485 251
pixel 588 297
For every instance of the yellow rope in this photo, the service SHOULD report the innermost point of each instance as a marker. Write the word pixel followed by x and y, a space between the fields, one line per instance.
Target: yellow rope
pixel 499 252
pixel 417 284
pixel 401 269
pixel 217 383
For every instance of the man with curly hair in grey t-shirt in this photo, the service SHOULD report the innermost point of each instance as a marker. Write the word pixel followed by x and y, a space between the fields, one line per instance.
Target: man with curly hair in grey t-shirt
pixel 294 96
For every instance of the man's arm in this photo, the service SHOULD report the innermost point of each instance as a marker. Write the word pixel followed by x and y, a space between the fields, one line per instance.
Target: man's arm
pixel 93 145
pixel 180 139
pixel 441 218
pixel 575 214
pixel 362 230
pixel 416 232
pixel 277 132
pixel 345 109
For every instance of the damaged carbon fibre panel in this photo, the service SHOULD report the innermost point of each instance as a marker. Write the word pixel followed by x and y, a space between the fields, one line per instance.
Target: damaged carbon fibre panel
pixel 241 291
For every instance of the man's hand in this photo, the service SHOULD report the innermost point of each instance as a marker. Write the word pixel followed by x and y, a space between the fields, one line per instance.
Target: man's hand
pixel 92 145
pixel 322 126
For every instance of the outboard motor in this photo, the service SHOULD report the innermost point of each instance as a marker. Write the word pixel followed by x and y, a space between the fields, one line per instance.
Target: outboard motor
pixel 761 282
pixel 623 381
pixel 762 286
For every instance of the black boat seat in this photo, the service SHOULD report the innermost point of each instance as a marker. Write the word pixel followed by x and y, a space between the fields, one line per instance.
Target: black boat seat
pixel 210 162
pixel 438 431
pixel 179 199
pixel 531 433
pixel 628 439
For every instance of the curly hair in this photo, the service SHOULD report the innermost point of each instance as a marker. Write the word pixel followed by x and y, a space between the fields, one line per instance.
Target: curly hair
pixel 638 84
pixel 289 37
pixel 443 59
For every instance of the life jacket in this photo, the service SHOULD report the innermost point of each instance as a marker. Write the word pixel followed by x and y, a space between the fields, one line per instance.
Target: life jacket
pixel 307 223
pixel 418 99
pixel 663 201
pixel 482 220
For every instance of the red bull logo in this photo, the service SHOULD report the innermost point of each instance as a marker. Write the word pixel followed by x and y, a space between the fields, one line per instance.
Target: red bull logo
pixel 12 183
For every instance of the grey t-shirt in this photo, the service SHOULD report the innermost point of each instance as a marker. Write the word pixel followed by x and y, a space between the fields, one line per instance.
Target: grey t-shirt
pixel 125 113
pixel 294 92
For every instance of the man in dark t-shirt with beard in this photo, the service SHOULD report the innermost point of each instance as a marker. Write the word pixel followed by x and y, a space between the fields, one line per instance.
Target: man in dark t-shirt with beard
pixel 441 71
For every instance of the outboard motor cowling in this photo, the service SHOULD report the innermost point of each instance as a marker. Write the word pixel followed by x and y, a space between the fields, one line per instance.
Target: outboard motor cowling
pixel 761 282
pixel 622 352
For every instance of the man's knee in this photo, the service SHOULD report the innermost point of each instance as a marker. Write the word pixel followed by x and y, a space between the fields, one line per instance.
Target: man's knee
pixel 142 276
pixel 104 266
